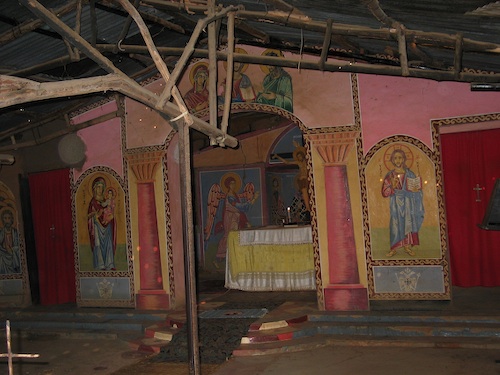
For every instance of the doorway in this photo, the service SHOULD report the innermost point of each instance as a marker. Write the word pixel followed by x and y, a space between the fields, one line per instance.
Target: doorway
pixel 50 196
pixel 470 169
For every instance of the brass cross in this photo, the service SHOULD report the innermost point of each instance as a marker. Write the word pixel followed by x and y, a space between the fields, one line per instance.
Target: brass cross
pixel 478 189
pixel 9 353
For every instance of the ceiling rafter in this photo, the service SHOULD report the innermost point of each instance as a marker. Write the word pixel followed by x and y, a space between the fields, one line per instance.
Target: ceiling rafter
pixel 22 91
pixel 339 46
pixel 416 38
pixel 33 24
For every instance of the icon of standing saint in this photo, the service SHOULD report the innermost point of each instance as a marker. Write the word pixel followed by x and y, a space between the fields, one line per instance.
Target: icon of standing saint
pixel 404 190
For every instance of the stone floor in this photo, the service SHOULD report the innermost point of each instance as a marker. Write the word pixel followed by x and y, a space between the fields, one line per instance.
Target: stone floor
pixel 97 353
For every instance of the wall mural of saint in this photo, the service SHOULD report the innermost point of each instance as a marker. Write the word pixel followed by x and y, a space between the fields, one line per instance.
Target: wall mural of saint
pixel 10 257
pixel 229 205
pixel 102 224
pixel 403 195
pixel 277 87
pixel 197 97
pixel 403 188
pixel 243 90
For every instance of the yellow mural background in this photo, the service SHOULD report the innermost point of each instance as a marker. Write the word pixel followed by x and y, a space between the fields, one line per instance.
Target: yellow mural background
pixel 378 206
pixel 82 200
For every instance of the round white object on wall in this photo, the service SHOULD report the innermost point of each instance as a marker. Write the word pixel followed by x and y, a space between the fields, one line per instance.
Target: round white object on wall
pixel 71 149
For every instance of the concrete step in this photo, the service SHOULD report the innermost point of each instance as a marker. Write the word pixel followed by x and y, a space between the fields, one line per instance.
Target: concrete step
pixel 403 318
pixel 81 322
pixel 321 340
pixel 370 329
pixel 280 331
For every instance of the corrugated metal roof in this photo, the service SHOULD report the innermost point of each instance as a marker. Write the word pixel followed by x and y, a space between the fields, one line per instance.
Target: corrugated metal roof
pixel 288 26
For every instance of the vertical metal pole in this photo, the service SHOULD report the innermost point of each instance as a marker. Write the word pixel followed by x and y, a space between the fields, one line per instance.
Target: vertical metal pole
pixel 189 252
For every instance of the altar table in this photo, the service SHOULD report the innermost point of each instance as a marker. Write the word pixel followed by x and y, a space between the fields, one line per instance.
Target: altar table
pixel 270 259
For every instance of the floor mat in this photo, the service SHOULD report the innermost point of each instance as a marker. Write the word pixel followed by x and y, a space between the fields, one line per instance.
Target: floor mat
pixel 219 331
pixel 217 337
pixel 233 314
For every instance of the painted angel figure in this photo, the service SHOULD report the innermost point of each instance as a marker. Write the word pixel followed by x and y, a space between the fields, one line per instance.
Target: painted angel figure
pixel 233 211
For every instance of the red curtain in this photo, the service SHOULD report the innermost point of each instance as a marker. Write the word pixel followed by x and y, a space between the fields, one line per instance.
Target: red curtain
pixel 52 220
pixel 468 159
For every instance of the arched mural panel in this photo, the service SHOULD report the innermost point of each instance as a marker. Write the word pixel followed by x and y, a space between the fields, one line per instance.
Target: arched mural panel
pixel 231 200
pixel 405 235
pixel 401 187
pixel 104 260
pixel 10 250
pixel 101 224
pixel 13 274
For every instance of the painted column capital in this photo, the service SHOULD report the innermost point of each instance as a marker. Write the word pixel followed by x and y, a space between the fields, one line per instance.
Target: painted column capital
pixel 144 165
pixel 333 147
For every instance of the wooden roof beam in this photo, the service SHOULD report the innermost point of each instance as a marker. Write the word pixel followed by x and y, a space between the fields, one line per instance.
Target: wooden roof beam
pixel 31 25
pixel 350 67
pixel 145 15
pixel 188 50
pixel 14 90
pixel 421 37
pixel 130 87
pixel 160 64
pixel 245 27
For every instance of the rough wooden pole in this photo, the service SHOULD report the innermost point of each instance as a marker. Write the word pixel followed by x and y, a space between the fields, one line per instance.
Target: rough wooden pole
pixel 23 90
pixel 403 56
pixel 30 25
pixel 212 70
pixel 188 51
pixel 229 74
pixel 326 45
pixel 160 64
pixel 189 251
pixel 458 55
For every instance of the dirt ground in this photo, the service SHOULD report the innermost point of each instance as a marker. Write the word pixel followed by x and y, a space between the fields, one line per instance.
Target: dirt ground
pixel 148 366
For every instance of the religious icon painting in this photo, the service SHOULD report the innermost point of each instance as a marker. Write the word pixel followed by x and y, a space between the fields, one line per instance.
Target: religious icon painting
pixel 11 251
pixel 277 88
pixel 197 97
pixel 243 90
pixel 101 224
pixel 401 190
pixel 230 200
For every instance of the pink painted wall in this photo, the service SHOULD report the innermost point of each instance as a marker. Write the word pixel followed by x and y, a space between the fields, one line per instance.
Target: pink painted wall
pixel 103 141
pixel 145 126
pixel 394 105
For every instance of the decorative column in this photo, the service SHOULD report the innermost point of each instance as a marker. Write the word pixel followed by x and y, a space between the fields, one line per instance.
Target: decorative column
pixel 151 295
pixel 344 293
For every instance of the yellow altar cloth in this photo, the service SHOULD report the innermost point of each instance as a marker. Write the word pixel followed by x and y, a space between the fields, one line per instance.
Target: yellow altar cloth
pixel 271 258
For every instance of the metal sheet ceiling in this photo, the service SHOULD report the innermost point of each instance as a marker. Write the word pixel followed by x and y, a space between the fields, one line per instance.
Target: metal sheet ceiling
pixel 24 53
